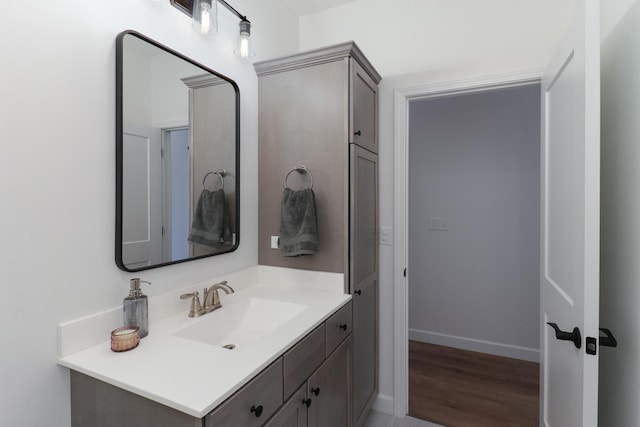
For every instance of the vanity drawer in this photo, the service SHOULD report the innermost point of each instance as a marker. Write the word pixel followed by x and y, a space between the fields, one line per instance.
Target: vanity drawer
pixel 253 404
pixel 303 359
pixel 339 327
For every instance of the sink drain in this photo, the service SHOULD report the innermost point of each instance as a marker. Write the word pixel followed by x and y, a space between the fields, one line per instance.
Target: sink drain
pixel 229 346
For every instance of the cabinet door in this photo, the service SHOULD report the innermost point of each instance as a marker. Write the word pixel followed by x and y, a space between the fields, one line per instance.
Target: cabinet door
pixel 293 413
pixel 363 278
pixel 364 109
pixel 363 224
pixel 365 350
pixel 329 389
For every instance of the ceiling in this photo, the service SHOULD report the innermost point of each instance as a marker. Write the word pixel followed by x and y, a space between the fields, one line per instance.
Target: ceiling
pixel 306 7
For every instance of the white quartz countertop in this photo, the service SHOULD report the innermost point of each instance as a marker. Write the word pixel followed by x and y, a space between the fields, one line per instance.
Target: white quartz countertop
pixel 195 377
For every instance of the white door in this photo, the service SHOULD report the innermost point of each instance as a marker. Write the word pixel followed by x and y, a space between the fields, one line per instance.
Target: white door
pixel 141 199
pixel 570 225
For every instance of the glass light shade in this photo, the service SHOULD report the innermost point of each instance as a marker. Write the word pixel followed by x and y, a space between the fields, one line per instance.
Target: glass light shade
pixel 205 15
pixel 244 41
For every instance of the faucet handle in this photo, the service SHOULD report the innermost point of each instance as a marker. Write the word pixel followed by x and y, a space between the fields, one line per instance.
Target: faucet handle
pixel 196 307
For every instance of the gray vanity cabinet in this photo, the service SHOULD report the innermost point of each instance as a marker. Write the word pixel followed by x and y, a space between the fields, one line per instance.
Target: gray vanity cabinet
pixel 320 108
pixel 324 400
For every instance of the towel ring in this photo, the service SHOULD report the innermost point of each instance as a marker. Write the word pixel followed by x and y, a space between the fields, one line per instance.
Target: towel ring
pixel 299 169
pixel 221 174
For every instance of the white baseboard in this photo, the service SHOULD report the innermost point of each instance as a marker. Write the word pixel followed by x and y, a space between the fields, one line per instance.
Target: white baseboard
pixel 384 404
pixel 472 344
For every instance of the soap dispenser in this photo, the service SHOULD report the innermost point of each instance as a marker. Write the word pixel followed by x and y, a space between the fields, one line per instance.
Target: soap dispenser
pixel 136 308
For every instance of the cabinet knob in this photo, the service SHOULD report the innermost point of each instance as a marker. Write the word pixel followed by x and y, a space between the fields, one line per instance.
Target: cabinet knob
pixel 306 402
pixel 315 391
pixel 257 410
pixel 358 133
pixel 358 292
pixel 343 326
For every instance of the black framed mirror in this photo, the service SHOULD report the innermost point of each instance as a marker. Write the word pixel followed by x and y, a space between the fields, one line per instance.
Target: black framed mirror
pixel 177 157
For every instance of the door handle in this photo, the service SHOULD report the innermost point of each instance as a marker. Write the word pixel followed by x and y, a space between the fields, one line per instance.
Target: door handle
pixel 568 336
pixel 609 340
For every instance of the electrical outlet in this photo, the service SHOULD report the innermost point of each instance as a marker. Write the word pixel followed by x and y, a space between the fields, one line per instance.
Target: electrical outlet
pixel 386 236
pixel 274 242
pixel 437 224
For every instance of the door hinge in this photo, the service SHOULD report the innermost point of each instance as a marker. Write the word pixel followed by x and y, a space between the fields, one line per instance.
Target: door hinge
pixel 162 231
pixel 405 272
pixel 162 152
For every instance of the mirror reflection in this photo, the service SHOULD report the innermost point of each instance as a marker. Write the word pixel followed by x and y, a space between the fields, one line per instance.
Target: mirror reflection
pixel 177 157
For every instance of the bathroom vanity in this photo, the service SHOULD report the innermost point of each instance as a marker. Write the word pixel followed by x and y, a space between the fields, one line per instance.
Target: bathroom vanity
pixel 291 364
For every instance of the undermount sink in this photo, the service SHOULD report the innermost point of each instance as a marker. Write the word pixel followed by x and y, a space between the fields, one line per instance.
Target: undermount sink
pixel 240 324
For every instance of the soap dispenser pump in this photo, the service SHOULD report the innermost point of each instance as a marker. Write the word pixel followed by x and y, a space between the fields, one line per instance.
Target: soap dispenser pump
pixel 136 308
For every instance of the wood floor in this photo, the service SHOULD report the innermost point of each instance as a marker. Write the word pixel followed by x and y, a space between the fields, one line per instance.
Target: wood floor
pixel 459 388
pixel 379 419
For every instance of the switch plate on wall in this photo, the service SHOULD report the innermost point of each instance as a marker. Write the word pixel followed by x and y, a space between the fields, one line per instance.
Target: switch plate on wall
pixel 274 242
pixel 437 224
pixel 386 236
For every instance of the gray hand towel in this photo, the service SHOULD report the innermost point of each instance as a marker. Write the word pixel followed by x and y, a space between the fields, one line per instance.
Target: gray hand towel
pixel 298 228
pixel 210 224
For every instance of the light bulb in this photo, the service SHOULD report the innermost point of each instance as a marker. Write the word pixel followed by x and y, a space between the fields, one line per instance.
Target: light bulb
pixel 244 45
pixel 205 18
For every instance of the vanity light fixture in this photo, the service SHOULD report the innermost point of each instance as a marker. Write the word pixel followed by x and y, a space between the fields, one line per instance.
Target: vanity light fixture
pixel 199 10
pixel 205 15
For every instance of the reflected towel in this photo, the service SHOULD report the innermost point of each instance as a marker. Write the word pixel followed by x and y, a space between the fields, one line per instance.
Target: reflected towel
pixel 298 228
pixel 210 224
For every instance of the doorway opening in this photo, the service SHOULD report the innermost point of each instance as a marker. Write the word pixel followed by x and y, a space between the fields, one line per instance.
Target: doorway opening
pixel 176 172
pixel 473 256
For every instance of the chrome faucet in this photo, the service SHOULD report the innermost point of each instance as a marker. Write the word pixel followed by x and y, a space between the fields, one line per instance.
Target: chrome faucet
pixel 211 299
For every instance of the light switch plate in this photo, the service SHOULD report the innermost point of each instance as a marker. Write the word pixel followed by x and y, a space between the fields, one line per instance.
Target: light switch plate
pixel 437 224
pixel 386 236
pixel 274 242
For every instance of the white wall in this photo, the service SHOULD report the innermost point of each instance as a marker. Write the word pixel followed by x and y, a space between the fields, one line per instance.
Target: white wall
pixel 620 228
pixel 611 12
pixel 57 174
pixel 409 36
pixel 474 160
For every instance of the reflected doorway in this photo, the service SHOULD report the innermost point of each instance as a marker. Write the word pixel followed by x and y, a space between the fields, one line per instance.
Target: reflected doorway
pixel 176 174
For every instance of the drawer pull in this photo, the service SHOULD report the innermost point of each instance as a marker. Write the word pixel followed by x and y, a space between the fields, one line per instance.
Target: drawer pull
pixel 257 410
pixel 343 326
pixel 358 133
pixel 306 402
pixel 315 391
pixel 358 292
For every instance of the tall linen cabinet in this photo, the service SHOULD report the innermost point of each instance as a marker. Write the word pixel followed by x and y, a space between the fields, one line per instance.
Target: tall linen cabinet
pixel 320 109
